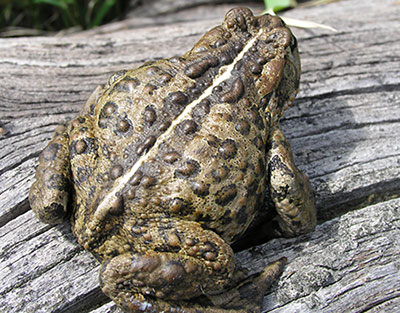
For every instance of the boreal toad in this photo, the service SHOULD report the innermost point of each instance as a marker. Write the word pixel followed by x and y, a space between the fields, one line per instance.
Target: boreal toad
pixel 168 164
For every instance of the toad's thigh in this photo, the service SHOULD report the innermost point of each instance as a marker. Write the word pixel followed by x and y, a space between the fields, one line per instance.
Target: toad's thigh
pixel 201 259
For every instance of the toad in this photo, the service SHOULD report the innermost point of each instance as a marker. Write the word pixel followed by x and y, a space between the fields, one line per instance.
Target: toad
pixel 168 164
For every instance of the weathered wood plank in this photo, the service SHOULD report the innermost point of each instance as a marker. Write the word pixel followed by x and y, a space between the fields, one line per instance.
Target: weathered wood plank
pixel 344 130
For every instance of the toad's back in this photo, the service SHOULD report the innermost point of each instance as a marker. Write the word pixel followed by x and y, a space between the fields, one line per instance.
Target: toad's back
pixel 186 137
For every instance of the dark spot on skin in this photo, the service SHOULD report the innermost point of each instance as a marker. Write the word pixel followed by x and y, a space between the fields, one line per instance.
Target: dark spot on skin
pixel 243 127
pixel 102 122
pixel 239 65
pixel 136 178
pixel 92 108
pixel 235 93
pixel 164 125
pixel 200 188
pixel 77 122
pixel 203 218
pixel 256 118
pixel 80 146
pixel 201 109
pixel 253 49
pixel 228 149
pixel 55 181
pixel 256 68
pixel 241 21
pixel 148 181
pixel 131 193
pixel 153 70
pixel 217 89
pixel 230 24
pixel 198 68
pixel 188 127
pixel 164 78
pixel 149 114
pixel 261 60
pixel 259 143
pixel 188 168
pixel 53 212
pixel 210 256
pixel 225 58
pixel 123 125
pixel 149 89
pixel 116 171
pixel 117 206
pixel 170 157
pixel 195 91
pixel 128 84
pixel 213 141
pixel 109 108
pixel 220 42
pixel 147 144
pixel 172 272
pixel 177 97
pixel 83 173
pixel 90 143
pixel 252 186
pixel 220 173
pixel 212 60
pixel 180 206
pixel 277 164
pixel 226 194
pixel 114 77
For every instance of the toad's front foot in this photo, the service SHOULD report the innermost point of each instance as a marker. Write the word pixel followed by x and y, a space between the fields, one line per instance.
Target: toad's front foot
pixel 290 189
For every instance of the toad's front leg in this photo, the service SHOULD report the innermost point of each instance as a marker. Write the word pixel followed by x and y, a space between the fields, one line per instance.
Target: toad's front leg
pixel 49 194
pixel 290 189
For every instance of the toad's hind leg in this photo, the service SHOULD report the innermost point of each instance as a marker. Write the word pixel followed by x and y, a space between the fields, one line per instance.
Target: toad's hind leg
pixel 199 276
pixel 290 189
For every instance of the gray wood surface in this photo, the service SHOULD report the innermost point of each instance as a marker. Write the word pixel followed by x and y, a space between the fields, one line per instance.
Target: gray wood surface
pixel 344 129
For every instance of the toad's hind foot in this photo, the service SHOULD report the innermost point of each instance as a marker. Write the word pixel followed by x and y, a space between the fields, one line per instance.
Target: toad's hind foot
pixel 250 292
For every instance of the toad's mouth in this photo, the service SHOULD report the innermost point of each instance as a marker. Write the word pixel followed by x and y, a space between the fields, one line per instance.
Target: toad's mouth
pixel 112 196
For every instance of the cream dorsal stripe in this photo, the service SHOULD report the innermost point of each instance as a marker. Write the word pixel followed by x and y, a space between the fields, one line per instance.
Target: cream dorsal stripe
pixel 120 183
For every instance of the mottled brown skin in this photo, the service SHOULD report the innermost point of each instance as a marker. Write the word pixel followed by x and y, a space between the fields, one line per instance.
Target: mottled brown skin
pixel 168 164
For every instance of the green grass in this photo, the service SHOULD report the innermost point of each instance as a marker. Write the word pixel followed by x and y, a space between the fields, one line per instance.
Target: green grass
pixel 54 15
pixel 279 5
